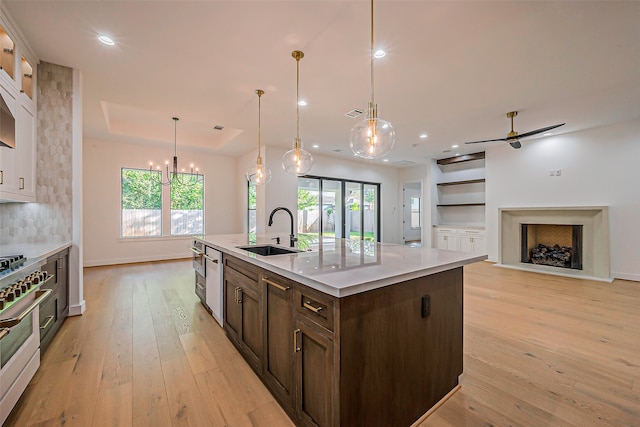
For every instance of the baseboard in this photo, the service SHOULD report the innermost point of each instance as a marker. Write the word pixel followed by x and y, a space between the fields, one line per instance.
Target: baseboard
pixel 77 309
pixel 436 406
pixel 627 276
pixel 132 260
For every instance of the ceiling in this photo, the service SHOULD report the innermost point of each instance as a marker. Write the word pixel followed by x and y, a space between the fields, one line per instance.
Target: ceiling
pixel 453 69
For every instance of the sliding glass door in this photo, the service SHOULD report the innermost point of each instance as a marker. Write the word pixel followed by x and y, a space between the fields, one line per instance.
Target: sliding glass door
pixel 338 208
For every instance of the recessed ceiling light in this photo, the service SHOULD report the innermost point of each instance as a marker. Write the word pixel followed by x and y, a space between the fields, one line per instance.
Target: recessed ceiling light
pixel 379 53
pixel 385 160
pixel 302 102
pixel 315 146
pixel 106 40
pixel 457 154
pixel 424 135
pixel 547 134
pixel 455 146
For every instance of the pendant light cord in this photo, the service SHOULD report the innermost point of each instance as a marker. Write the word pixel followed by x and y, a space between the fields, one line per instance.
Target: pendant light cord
pixel 371 53
pixel 259 109
pixel 298 99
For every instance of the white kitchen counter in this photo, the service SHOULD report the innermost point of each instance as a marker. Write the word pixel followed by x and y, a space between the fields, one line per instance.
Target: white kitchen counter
pixel 342 267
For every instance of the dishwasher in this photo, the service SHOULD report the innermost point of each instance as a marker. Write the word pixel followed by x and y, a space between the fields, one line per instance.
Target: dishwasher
pixel 213 276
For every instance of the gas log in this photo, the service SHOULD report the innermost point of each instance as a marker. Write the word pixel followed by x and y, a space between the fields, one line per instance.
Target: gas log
pixel 557 256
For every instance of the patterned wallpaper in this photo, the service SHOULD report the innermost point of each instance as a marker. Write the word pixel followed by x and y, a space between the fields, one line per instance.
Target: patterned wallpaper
pixel 49 220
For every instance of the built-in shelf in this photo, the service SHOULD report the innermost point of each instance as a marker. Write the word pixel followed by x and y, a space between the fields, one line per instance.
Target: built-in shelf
pixel 461 204
pixel 460 159
pixel 469 181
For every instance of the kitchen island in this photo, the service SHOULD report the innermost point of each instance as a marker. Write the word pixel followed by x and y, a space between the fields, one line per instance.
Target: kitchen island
pixel 346 333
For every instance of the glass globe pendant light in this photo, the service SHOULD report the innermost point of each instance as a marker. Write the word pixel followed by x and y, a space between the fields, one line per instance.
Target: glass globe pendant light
pixel 297 161
pixel 259 174
pixel 373 137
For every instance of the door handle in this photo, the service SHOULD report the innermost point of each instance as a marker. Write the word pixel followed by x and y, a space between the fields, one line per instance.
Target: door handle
pixel 49 319
pixel 296 348
pixel 308 306
pixel 213 260
pixel 10 323
pixel 277 285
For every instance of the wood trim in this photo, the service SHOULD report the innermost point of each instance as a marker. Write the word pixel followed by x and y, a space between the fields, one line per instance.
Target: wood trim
pixel 460 159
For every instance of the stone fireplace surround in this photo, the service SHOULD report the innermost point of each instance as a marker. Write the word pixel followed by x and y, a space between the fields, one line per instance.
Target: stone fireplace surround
pixel 595 222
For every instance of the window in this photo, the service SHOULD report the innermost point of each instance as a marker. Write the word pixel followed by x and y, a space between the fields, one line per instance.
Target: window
pixel 337 208
pixel 415 212
pixel 251 207
pixel 141 197
pixel 187 205
pixel 143 202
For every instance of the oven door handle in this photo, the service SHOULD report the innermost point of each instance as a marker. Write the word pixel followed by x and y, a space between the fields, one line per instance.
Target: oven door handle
pixel 10 323
pixel 4 333
pixel 197 251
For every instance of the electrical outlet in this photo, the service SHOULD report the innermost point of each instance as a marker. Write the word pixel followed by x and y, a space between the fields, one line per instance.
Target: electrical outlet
pixel 426 305
pixel 552 172
pixel 558 172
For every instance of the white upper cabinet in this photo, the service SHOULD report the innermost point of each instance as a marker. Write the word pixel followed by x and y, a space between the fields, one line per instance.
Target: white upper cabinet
pixel 17 120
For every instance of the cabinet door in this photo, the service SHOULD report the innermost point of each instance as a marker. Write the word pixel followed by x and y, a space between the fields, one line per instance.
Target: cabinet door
pixel 441 241
pixel 244 315
pixel 279 339
pixel 62 265
pixel 25 135
pixel 479 245
pixel 313 375
pixel 8 156
pixel 466 243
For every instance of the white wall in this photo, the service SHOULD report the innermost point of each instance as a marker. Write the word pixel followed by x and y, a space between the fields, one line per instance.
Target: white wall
pixel 599 167
pixel 102 162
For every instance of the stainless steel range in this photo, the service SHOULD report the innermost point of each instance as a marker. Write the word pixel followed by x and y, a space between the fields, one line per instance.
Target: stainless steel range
pixel 20 296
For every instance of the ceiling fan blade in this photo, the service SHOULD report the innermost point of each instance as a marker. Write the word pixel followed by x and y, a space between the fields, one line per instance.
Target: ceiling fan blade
pixel 515 144
pixel 537 131
pixel 486 140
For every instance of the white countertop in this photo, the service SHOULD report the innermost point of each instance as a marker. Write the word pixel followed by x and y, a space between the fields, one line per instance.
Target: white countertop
pixel 342 267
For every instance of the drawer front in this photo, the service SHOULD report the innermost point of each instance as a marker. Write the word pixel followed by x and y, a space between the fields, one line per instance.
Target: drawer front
pixel 242 267
pixel 48 315
pixel 446 230
pixel 240 280
pixel 473 232
pixel 315 306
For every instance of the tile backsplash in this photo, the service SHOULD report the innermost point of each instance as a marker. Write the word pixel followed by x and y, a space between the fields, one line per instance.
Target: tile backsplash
pixel 50 219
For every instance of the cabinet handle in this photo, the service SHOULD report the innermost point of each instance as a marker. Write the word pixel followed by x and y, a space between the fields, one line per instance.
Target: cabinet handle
pixel 60 263
pixel 199 286
pixel 282 288
pixel 236 290
pixel 308 306
pixel 1 177
pixel 296 348
pixel 213 260
pixel 197 251
pixel 10 323
pixel 238 295
pixel 21 183
pixel 46 324
pixel 4 333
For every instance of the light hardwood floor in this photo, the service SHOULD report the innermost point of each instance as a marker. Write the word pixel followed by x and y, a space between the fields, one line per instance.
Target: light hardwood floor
pixel 539 351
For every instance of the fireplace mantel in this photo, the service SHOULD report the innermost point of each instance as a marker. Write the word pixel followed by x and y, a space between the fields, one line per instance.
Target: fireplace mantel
pixel 595 222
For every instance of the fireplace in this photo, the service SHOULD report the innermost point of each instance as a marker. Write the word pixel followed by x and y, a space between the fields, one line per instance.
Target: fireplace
pixel 555 245
pixel 577 234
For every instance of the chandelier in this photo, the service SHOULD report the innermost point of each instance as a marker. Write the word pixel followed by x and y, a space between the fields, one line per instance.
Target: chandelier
pixel 178 177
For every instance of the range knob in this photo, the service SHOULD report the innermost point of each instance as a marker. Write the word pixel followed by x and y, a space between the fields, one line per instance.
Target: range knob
pixel 10 295
pixel 2 303
pixel 17 291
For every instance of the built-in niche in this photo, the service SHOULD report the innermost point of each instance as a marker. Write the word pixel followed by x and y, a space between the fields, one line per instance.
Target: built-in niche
pixel 551 244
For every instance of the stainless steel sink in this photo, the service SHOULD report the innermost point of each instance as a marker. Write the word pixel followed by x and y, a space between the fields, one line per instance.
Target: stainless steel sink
pixel 268 250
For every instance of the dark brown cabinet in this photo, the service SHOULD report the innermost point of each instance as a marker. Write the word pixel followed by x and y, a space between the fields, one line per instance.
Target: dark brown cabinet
pixel 54 309
pixel 243 309
pixel 377 358
pixel 278 363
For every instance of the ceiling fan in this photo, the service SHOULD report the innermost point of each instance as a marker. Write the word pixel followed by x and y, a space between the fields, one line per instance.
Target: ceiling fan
pixel 513 138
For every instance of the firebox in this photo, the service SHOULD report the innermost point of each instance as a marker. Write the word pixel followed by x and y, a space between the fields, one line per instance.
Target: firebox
pixel 551 244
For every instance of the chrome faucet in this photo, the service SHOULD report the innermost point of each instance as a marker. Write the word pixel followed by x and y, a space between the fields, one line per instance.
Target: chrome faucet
pixel 292 238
